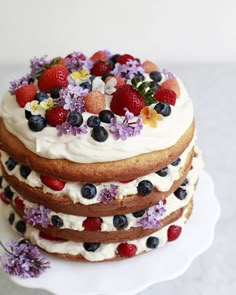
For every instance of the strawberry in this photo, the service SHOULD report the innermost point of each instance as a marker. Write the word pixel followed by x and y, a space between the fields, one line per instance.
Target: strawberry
pixel 56 116
pixel 173 232
pixel 127 180
pixel 94 102
pixel 25 94
pixel 92 223
pixel 55 184
pixel 99 55
pixel 165 95
pixel 45 236
pixel 171 84
pixel 55 76
pixel 126 97
pixel 164 201
pixel 149 66
pixel 19 204
pixel 4 199
pixel 122 59
pixel 126 250
pixel 100 68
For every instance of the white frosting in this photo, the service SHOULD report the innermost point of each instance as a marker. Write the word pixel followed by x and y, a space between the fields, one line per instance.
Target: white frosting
pixel 84 149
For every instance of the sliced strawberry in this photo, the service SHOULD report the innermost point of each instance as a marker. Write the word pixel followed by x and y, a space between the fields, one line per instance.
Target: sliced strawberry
pixel 126 250
pixel 19 204
pixel 4 199
pixel 92 223
pixel 55 184
pixel 100 68
pixel 127 180
pixel 45 236
pixel 171 84
pixel 99 55
pixel 25 94
pixel 173 232
pixel 94 102
pixel 165 95
pixel 56 116
pixel 122 59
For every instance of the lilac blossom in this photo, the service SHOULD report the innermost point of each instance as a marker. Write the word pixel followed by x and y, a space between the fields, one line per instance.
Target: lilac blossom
pixel 128 70
pixel 23 259
pixel 25 80
pixel 167 74
pixel 38 215
pixel 67 128
pixel 108 193
pixel 77 61
pixel 37 64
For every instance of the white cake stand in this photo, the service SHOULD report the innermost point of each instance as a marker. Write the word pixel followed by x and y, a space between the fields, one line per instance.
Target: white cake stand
pixel 132 275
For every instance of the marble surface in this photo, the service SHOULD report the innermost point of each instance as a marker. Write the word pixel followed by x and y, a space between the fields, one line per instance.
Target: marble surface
pixel 212 89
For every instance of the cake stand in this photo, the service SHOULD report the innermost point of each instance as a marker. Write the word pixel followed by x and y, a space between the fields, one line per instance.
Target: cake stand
pixel 132 275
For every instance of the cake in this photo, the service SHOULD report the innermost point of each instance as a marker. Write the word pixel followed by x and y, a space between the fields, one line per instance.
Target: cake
pixel 98 156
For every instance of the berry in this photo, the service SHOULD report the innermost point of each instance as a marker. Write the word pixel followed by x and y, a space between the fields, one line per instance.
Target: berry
pixel 120 221
pixel 162 172
pixel 107 75
pixel 24 171
pixel 149 67
pixel 91 247
pixel 155 76
pixel 11 218
pixel 100 68
pixel 55 76
pixel 55 184
pixel 20 226
pixel 57 221
pixel 152 242
pixel 126 250
pixel 88 191
pixel 99 55
pixel 19 204
pixel 28 114
pixel 114 58
pixel 75 118
pixel 4 198
pixel 173 232
pixel 8 193
pixel 163 201
pixel 145 187
pixel 56 116
pixel 99 134
pixel 55 93
pixel 92 223
pixel 93 121
pixel 139 213
pixel 37 123
pixel 185 182
pixel 40 96
pixel 105 116
pixel 11 164
pixel 94 102
pixel 127 97
pixel 176 162
pixel 154 85
pixel 180 193
pixel 86 85
pixel 45 236
pixel 163 108
pixel 165 95
pixel 118 81
pixel 127 180
pixel 25 94
pixel 122 59
pixel 171 84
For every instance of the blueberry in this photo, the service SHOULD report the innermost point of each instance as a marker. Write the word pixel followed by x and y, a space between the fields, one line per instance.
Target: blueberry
pixel 152 242
pixel 86 85
pixel 162 172
pixel 37 123
pixel 57 221
pixel 140 76
pixel 145 187
pixel 24 171
pixel 8 193
pixel 40 96
pixel 91 247
pixel 120 221
pixel 20 226
pixel 88 191
pixel 11 164
pixel 107 75
pixel 139 213
pixel 185 182
pixel 55 93
pixel 11 218
pixel 106 116
pixel 31 80
pixel 75 118
pixel 1 179
pixel 114 58
pixel 180 193
pixel 28 114
pixel 163 108
pixel 99 134
pixel 154 85
pixel 93 121
pixel 176 162
pixel 155 76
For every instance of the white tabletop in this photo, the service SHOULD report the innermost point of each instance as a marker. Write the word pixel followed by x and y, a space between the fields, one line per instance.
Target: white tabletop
pixel 212 88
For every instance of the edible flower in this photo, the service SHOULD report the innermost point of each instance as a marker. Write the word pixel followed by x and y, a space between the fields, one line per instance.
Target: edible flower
pixel 47 103
pixel 79 77
pixel 108 193
pixel 38 215
pixel 150 117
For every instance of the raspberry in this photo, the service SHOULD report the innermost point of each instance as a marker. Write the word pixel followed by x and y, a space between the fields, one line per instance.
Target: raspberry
pixel 4 199
pixel 126 250
pixel 25 94
pixel 19 204
pixel 55 184
pixel 56 116
pixel 94 102
pixel 149 67
pixel 56 76
pixel 171 84
pixel 173 232
pixel 92 223
pixel 99 55
pixel 165 95
pixel 100 68
pixel 122 59
pixel 126 97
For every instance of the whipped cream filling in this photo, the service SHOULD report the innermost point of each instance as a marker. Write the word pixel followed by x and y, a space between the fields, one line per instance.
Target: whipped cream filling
pixel 83 149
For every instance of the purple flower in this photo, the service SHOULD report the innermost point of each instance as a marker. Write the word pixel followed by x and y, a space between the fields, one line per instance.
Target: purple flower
pixel 108 193
pixel 38 215
pixel 73 98
pixel 128 70
pixel 67 128
pixel 25 80
pixel 37 64
pixel 23 259
pixel 125 129
pixel 167 74
pixel 77 61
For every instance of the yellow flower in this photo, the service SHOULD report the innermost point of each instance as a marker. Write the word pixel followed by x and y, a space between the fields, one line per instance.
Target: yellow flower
pixel 81 76
pixel 47 103
pixel 34 106
pixel 150 117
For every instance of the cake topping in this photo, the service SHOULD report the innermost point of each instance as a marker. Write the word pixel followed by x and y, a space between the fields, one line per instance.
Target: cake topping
pixel 92 223
pixel 150 117
pixel 165 95
pixel 145 187
pixel 152 242
pixel 171 84
pixel 55 184
pixel 25 94
pixel 108 193
pixel 37 216
pixel 120 221
pixel 91 247
pixel 173 232
pixel 126 250
pixel 180 193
